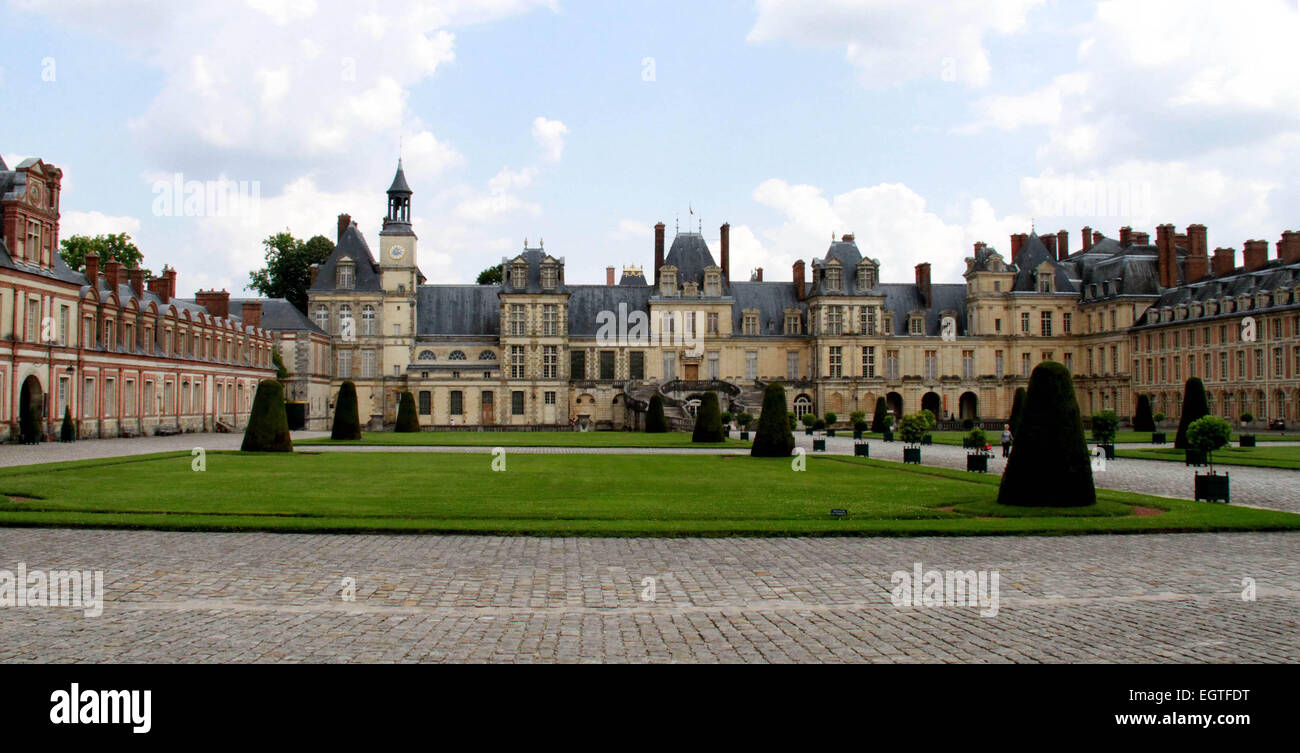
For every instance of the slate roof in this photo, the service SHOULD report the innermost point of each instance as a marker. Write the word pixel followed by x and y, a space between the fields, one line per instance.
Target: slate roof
pixel 903 298
pixel 1273 275
pixel 587 301
pixel 848 255
pixel 399 181
pixel 60 271
pixel 690 254
pixel 771 299
pixel 534 258
pixel 1032 254
pixel 277 314
pixel 632 279
pixel 458 310
pixel 352 244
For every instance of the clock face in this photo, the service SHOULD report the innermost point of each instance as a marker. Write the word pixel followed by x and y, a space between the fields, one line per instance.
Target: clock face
pixel 396 252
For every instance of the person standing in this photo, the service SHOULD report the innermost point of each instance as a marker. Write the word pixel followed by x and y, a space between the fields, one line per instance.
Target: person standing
pixel 1006 440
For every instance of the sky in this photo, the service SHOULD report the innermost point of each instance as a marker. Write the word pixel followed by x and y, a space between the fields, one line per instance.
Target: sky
pixel 920 127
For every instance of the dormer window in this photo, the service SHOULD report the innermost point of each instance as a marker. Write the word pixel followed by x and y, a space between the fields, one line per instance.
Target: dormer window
pixel 916 324
pixel 519 276
pixel 866 277
pixel 713 284
pixel 1044 282
pixel 834 278
pixel 668 281
pixel 793 322
pixel 346 274
pixel 750 322
pixel 691 290
pixel 550 277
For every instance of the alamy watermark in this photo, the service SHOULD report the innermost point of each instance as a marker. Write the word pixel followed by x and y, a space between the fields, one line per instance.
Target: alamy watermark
pixel 1089 197
pixel 53 588
pixel 946 588
pixel 178 197
pixel 624 328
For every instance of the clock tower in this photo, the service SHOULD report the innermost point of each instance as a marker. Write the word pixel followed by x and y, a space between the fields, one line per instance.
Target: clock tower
pixel 397 239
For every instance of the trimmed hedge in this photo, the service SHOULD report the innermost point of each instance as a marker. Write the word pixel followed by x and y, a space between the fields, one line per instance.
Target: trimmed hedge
pixel 1142 418
pixel 347 423
pixel 407 421
pixel 1017 410
pixel 655 423
pixel 1195 405
pixel 67 432
pixel 708 420
pixel 268 426
pixel 773 439
pixel 878 417
pixel 1049 464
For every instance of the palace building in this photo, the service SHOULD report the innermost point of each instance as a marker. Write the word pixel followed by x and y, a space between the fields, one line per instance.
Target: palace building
pixel 1122 314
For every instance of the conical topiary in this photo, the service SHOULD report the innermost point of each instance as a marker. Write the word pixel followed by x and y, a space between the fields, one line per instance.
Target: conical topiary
pixel 655 423
pixel 407 421
pixel 878 417
pixel 1195 405
pixel 1049 464
pixel 1017 411
pixel 347 423
pixel 773 439
pixel 1142 419
pixel 67 432
pixel 268 426
pixel 708 420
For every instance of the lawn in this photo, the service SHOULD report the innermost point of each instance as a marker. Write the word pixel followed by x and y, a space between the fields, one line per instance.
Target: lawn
pixel 1262 456
pixel 1140 437
pixel 620 495
pixel 528 439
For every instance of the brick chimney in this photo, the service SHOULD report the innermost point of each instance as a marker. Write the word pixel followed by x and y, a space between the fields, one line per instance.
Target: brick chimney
pixel 724 233
pixel 135 277
pixel 659 249
pixel 1097 236
pixel 1141 239
pixel 923 282
pixel 250 312
pixel 1126 236
pixel 758 275
pixel 1288 248
pixel 1017 240
pixel 1087 238
pixel 345 221
pixel 799 287
pixel 1049 242
pixel 1062 244
pixel 113 274
pixel 1198 258
pixel 609 275
pixel 169 274
pixel 1166 256
pixel 315 269
pixel 217 302
pixel 1225 260
pixel 1255 255
pixel 92 269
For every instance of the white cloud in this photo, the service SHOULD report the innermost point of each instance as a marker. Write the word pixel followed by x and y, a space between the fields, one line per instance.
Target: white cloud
pixel 550 135
pixel 632 230
pixel 95 223
pixel 892 42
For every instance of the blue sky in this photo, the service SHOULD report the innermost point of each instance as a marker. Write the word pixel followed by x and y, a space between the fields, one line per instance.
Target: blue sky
pixel 921 127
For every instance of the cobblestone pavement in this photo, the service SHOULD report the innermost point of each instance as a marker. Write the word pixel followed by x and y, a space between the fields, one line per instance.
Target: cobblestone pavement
pixel 88 449
pixel 245 597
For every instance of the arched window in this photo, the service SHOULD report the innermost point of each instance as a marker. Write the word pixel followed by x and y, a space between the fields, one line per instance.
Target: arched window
pixel 456 355
pixel 427 355
pixel 802 404
pixel 487 355
pixel 323 317
pixel 368 320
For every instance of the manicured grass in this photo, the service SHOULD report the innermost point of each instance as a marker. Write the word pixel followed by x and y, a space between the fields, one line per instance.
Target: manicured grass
pixel 619 495
pixel 1265 457
pixel 1140 437
pixel 528 439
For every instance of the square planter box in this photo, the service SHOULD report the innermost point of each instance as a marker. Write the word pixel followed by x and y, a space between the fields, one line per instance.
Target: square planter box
pixel 912 455
pixel 1194 457
pixel 1246 440
pixel 819 445
pixel 744 435
pixel 1158 437
pixel 977 462
pixel 861 450
pixel 1212 487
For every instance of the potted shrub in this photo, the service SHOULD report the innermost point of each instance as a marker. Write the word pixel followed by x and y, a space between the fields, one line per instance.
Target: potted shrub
pixel 856 416
pixel 930 422
pixel 726 423
pixel 859 428
pixel 1207 434
pixel 887 427
pixel 744 419
pixel 808 420
pixel 1246 440
pixel 977 459
pixel 831 418
pixel 1104 426
pixel 1247 417
pixel 912 429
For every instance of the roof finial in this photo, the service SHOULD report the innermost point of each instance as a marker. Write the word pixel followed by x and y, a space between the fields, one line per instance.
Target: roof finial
pixel 541 242
pixel 525 243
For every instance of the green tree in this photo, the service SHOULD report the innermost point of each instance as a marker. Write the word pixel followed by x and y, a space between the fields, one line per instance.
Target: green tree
pixel 1207 434
pixel 347 422
pixel 773 439
pixel 1049 464
pixel 490 276
pixel 407 421
pixel 1142 419
pixel 831 418
pixel 655 423
pixel 1017 410
pixel 1104 426
pixel 878 416
pixel 912 428
pixel 113 247
pixel 1195 405
pixel 287 273
pixel 278 361
pixel 708 420
pixel 268 426
pixel 67 432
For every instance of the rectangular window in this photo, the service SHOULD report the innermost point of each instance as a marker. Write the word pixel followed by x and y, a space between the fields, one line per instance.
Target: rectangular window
pixel 713 323
pixel 110 398
pixel 834 362
pixel 997 325
pixel 344 367
pixel 792 324
pixel 751 324
pixel 517 403
pixel 636 365
pixel 916 325
pixel 577 364
pixel 367 364
pixel 792 365
pixel 457 403
pixel 891 365
pixel 1024 322
pixel 1241 364
pixel 834 321
pixel 1045 323
pixel 1024 364
pixel 1069 362
pixel 713 371
pixel 516 319
pixel 516 362
pixel 968 364
pixel 33 319
pixel 999 366
pixel 751 365
pixel 606 364
pixel 867 320
pixel 426 402
pixel 550 320
pixel 931 364
pixel 548 398
pixel 670 366
pixel 550 362
pixel 869 361
pixel 1259 363
pixel 1067 322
